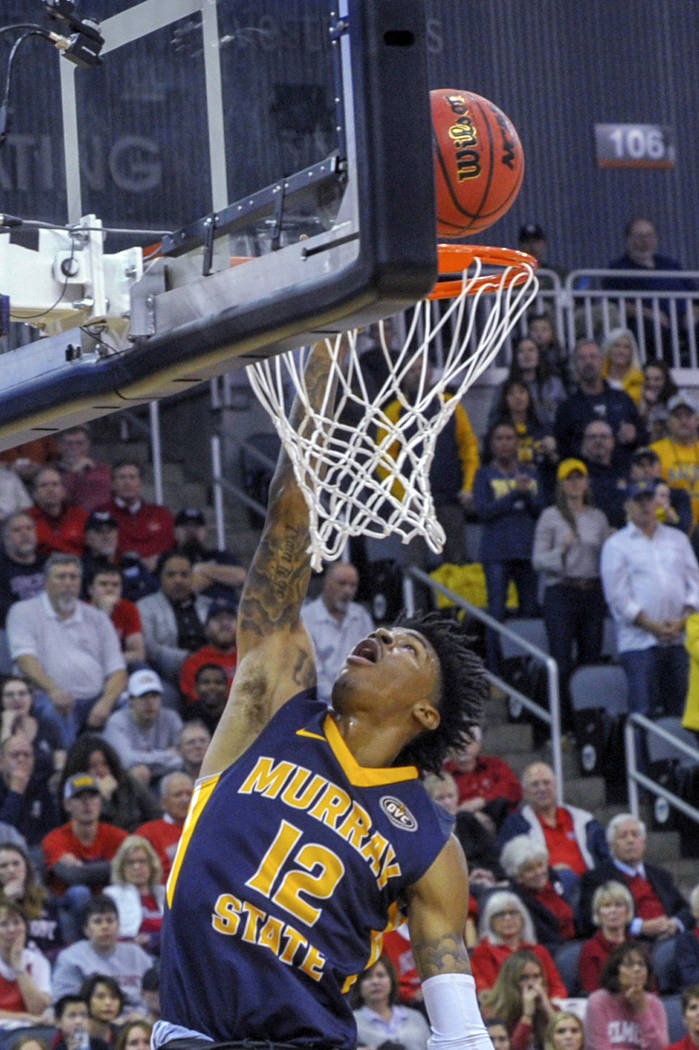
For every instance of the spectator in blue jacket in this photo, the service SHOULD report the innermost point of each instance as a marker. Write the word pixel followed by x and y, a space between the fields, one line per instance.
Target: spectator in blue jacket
pixel 508 497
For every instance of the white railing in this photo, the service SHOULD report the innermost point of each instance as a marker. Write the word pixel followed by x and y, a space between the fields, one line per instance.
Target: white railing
pixel 635 778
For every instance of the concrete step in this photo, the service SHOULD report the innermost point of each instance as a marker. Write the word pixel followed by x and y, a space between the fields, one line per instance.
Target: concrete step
pixel 663 845
pixel 586 792
pixel 685 871
pixel 508 738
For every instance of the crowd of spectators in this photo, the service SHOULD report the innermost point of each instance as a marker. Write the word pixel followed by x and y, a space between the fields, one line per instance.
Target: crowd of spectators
pixel 118 624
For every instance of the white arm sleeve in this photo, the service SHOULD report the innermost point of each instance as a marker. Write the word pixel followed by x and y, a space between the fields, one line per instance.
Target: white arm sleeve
pixel 455 1018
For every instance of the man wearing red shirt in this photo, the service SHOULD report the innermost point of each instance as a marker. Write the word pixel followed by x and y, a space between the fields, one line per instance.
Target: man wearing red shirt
pixel 164 834
pixel 104 590
pixel 221 621
pixel 487 786
pixel 146 528
pixel 59 527
pixel 78 855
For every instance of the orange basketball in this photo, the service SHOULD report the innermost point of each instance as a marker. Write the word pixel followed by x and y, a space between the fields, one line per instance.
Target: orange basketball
pixel 479 162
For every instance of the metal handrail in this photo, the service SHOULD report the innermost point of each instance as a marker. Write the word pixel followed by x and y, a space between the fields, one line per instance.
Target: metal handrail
pixel 220 485
pixel 634 777
pixel 552 717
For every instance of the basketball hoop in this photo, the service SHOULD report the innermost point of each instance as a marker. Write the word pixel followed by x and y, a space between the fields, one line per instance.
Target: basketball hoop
pixel 361 472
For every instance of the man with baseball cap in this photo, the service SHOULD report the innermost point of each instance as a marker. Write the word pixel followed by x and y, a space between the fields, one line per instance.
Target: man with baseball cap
pixel 220 628
pixel 679 451
pixel 674 505
pixel 216 573
pixel 651 582
pixel 144 733
pixel 101 548
pixel 78 855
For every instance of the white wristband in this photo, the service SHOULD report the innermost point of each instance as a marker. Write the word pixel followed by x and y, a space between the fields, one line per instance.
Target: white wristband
pixel 455 1018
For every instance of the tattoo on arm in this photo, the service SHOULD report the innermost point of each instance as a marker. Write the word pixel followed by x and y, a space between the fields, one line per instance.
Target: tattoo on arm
pixel 277 580
pixel 445 954
pixel 304 673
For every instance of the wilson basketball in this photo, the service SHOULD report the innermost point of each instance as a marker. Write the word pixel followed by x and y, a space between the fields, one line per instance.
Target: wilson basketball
pixel 479 162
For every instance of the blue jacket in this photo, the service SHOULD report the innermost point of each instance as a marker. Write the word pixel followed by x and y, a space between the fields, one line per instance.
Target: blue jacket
pixel 508 516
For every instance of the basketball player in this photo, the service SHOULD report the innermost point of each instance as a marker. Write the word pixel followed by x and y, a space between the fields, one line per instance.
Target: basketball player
pixel 309 831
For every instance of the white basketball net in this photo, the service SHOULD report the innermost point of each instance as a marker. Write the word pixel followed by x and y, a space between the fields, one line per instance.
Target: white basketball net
pixel 362 473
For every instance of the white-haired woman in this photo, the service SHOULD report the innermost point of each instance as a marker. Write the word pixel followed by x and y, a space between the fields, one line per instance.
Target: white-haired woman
pixel 526 864
pixel 505 927
pixel 138 892
pixel 612 912
pixel 622 364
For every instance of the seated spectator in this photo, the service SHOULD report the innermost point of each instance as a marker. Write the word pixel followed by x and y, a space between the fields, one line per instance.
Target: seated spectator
pixel 101 545
pixel 124 801
pixel 216 574
pixel 520 997
pixel 379 1015
pixel 487 786
pixel 138 892
pixel 25 799
pixel 28 458
pixel 679 451
pixel 661 910
pixel 105 593
pixel 211 688
pixel 673 505
pixel 88 483
pixel 175 795
pixel 596 399
pixel 651 582
pixel 219 630
pixel 150 990
pixel 68 650
pixel 540 328
pixel 546 389
pixel 536 445
pixel 20 885
pixel 101 951
pixel 612 912
pixel 573 837
pixel 59 527
pixel 687 945
pixel 567 544
pixel 144 733
pixel 105 1002
pixel 497 1030
pixel 507 498
pixel 192 744
pixel 78 854
pixel 72 1020
pixel 526 864
pixel 505 926
pixel 135 1035
pixel 17 715
pixel 477 842
pixel 641 255
pixel 690 1016
pixel 622 364
pixel 13 495
pixel 658 388
pixel 21 568
pixel 624 1004
pixel 565 1032
pixel 173 618
pixel 25 974
pixel 608 480
pixel 335 622
pixel 145 528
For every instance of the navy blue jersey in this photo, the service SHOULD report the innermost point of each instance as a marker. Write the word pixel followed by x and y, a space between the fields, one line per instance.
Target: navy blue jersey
pixel 290 867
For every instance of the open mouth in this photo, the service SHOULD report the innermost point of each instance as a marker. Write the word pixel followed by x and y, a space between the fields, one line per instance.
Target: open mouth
pixel 367 650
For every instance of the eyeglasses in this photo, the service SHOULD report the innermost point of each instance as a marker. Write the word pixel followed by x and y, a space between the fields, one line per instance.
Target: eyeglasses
pixel 505 912
pixel 137 860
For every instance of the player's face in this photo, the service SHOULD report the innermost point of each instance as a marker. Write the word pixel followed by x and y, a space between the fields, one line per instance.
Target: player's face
pixel 392 669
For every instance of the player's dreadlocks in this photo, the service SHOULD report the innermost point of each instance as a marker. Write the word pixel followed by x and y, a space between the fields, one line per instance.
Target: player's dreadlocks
pixel 463 692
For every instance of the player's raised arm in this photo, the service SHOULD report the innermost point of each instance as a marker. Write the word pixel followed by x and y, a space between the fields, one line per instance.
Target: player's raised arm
pixel 275 653
pixel 437 912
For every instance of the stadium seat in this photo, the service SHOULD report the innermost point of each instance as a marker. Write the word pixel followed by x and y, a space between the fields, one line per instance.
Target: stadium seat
pixel 664 966
pixel 567 958
pixel 675 1024
pixel 532 630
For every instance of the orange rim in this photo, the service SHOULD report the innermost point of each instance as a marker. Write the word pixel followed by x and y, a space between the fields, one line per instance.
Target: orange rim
pixel 455 258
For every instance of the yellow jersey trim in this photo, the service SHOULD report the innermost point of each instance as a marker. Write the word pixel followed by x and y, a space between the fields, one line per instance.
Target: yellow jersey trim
pixel 307 732
pixel 363 776
pixel 202 794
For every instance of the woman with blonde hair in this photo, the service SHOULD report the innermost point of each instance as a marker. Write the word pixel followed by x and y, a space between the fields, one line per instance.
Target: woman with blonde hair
pixel 565 1032
pixel 622 364
pixel 506 927
pixel 612 912
pixel 520 998
pixel 138 892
